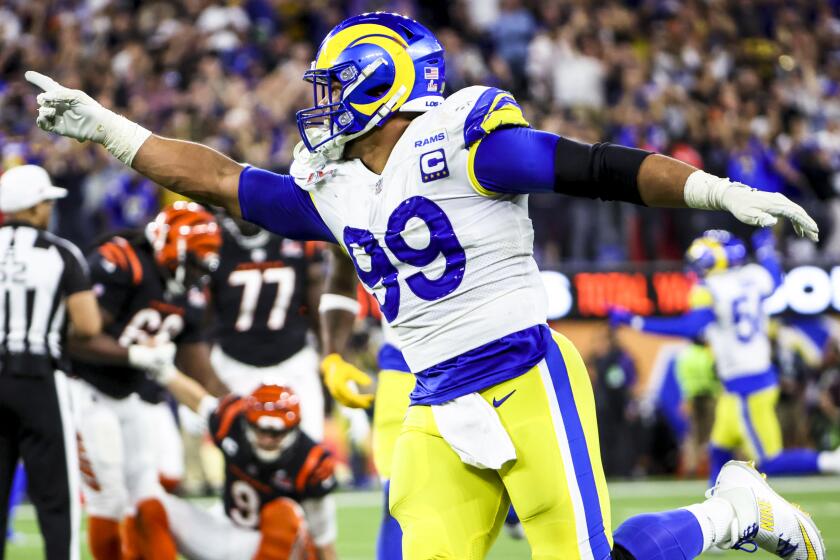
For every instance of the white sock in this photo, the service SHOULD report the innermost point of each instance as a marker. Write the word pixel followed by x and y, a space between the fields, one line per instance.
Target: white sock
pixel 715 517
pixel 829 462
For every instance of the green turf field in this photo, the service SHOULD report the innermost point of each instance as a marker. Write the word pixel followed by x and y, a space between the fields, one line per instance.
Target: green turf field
pixel 359 515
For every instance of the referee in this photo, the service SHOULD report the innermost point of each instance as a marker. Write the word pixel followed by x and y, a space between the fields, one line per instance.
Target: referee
pixel 43 282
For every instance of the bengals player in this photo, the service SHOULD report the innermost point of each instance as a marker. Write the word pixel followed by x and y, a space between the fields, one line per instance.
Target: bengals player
pixel 149 290
pixel 277 480
pixel 265 296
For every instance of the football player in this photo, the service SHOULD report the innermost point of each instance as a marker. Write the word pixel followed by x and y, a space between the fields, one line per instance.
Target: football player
pixel 429 197
pixel 265 295
pixel 728 311
pixel 153 306
pixel 277 479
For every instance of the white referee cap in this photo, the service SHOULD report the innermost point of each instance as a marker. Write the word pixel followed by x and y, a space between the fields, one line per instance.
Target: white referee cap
pixel 25 186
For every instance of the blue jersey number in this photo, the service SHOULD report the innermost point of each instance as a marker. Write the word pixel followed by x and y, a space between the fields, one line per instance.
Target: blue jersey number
pixel 746 316
pixel 442 241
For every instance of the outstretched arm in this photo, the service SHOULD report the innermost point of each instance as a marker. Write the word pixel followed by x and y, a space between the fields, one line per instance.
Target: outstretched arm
pixel 267 199
pixel 688 325
pixel 192 170
pixel 522 160
pixel 186 168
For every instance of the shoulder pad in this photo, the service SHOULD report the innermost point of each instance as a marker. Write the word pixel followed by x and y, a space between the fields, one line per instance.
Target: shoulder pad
pixel 700 296
pixel 485 109
pixel 318 467
pixel 229 408
pixel 122 255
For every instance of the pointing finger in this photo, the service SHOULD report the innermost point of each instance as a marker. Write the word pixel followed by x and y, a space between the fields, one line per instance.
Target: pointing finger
pixel 44 82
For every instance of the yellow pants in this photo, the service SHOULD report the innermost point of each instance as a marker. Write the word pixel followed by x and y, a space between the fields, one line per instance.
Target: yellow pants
pixel 449 510
pixel 748 423
pixel 392 391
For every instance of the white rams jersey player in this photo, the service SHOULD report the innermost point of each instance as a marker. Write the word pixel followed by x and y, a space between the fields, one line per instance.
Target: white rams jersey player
pixel 738 337
pixel 451 268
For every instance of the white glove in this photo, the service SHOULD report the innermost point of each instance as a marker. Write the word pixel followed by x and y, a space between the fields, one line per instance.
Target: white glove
pixel 73 113
pixel 753 207
pixel 157 361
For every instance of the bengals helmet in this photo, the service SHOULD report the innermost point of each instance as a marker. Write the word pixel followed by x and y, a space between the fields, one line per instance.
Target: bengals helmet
pixel 185 233
pixel 271 412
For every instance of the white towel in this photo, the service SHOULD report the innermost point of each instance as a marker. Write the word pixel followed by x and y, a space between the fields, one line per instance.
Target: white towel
pixel 472 428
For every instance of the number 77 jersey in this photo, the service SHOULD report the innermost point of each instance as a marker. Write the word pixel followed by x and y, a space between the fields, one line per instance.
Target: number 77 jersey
pixel 450 263
pixel 260 295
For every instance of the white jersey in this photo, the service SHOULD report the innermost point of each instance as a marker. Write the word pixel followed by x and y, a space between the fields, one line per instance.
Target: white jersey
pixel 451 268
pixel 739 335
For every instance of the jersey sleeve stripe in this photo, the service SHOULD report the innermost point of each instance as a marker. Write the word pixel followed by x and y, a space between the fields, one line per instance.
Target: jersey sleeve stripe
pixel 493 109
pixel 133 261
pixel 225 403
pixel 228 416
pixel 110 253
pixel 474 182
pixel 308 466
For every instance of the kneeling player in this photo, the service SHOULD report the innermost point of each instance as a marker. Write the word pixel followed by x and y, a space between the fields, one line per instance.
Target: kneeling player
pixel 271 466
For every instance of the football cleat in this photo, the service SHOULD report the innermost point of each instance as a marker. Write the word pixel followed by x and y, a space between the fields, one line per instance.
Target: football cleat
pixel 766 521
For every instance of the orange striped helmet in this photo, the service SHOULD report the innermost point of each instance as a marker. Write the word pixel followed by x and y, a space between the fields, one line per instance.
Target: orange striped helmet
pixel 182 229
pixel 273 407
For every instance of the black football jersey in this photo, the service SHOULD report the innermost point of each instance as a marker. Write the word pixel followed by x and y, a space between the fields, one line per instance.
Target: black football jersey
pixel 130 288
pixel 303 470
pixel 259 296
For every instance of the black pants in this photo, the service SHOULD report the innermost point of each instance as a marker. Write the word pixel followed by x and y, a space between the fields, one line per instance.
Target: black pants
pixel 35 425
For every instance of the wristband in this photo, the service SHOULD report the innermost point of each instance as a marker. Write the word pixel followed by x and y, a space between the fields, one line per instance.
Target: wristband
pixel 123 137
pixel 705 191
pixel 332 302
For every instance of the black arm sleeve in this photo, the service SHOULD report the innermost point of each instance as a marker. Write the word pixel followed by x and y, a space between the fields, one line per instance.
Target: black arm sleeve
pixel 603 170
pixel 522 160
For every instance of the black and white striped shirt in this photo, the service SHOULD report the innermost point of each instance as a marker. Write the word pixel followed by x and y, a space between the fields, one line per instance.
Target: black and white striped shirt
pixel 38 270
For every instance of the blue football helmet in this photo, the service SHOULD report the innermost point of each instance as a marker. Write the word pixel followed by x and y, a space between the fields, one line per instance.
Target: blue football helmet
pixel 367 68
pixel 714 251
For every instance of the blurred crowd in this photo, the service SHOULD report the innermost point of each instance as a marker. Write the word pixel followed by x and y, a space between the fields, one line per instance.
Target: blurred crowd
pixel 744 88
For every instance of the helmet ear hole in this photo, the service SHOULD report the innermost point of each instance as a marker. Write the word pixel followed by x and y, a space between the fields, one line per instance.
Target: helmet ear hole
pixel 407 33
pixel 377 91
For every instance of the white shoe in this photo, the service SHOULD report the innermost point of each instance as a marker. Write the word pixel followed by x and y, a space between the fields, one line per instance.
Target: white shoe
pixel 828 462
pixel 768 521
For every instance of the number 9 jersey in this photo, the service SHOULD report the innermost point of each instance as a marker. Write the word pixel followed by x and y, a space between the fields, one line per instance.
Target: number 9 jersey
pixel 449 262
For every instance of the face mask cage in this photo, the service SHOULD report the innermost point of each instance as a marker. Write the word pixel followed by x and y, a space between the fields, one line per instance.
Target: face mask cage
pixel 329 112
